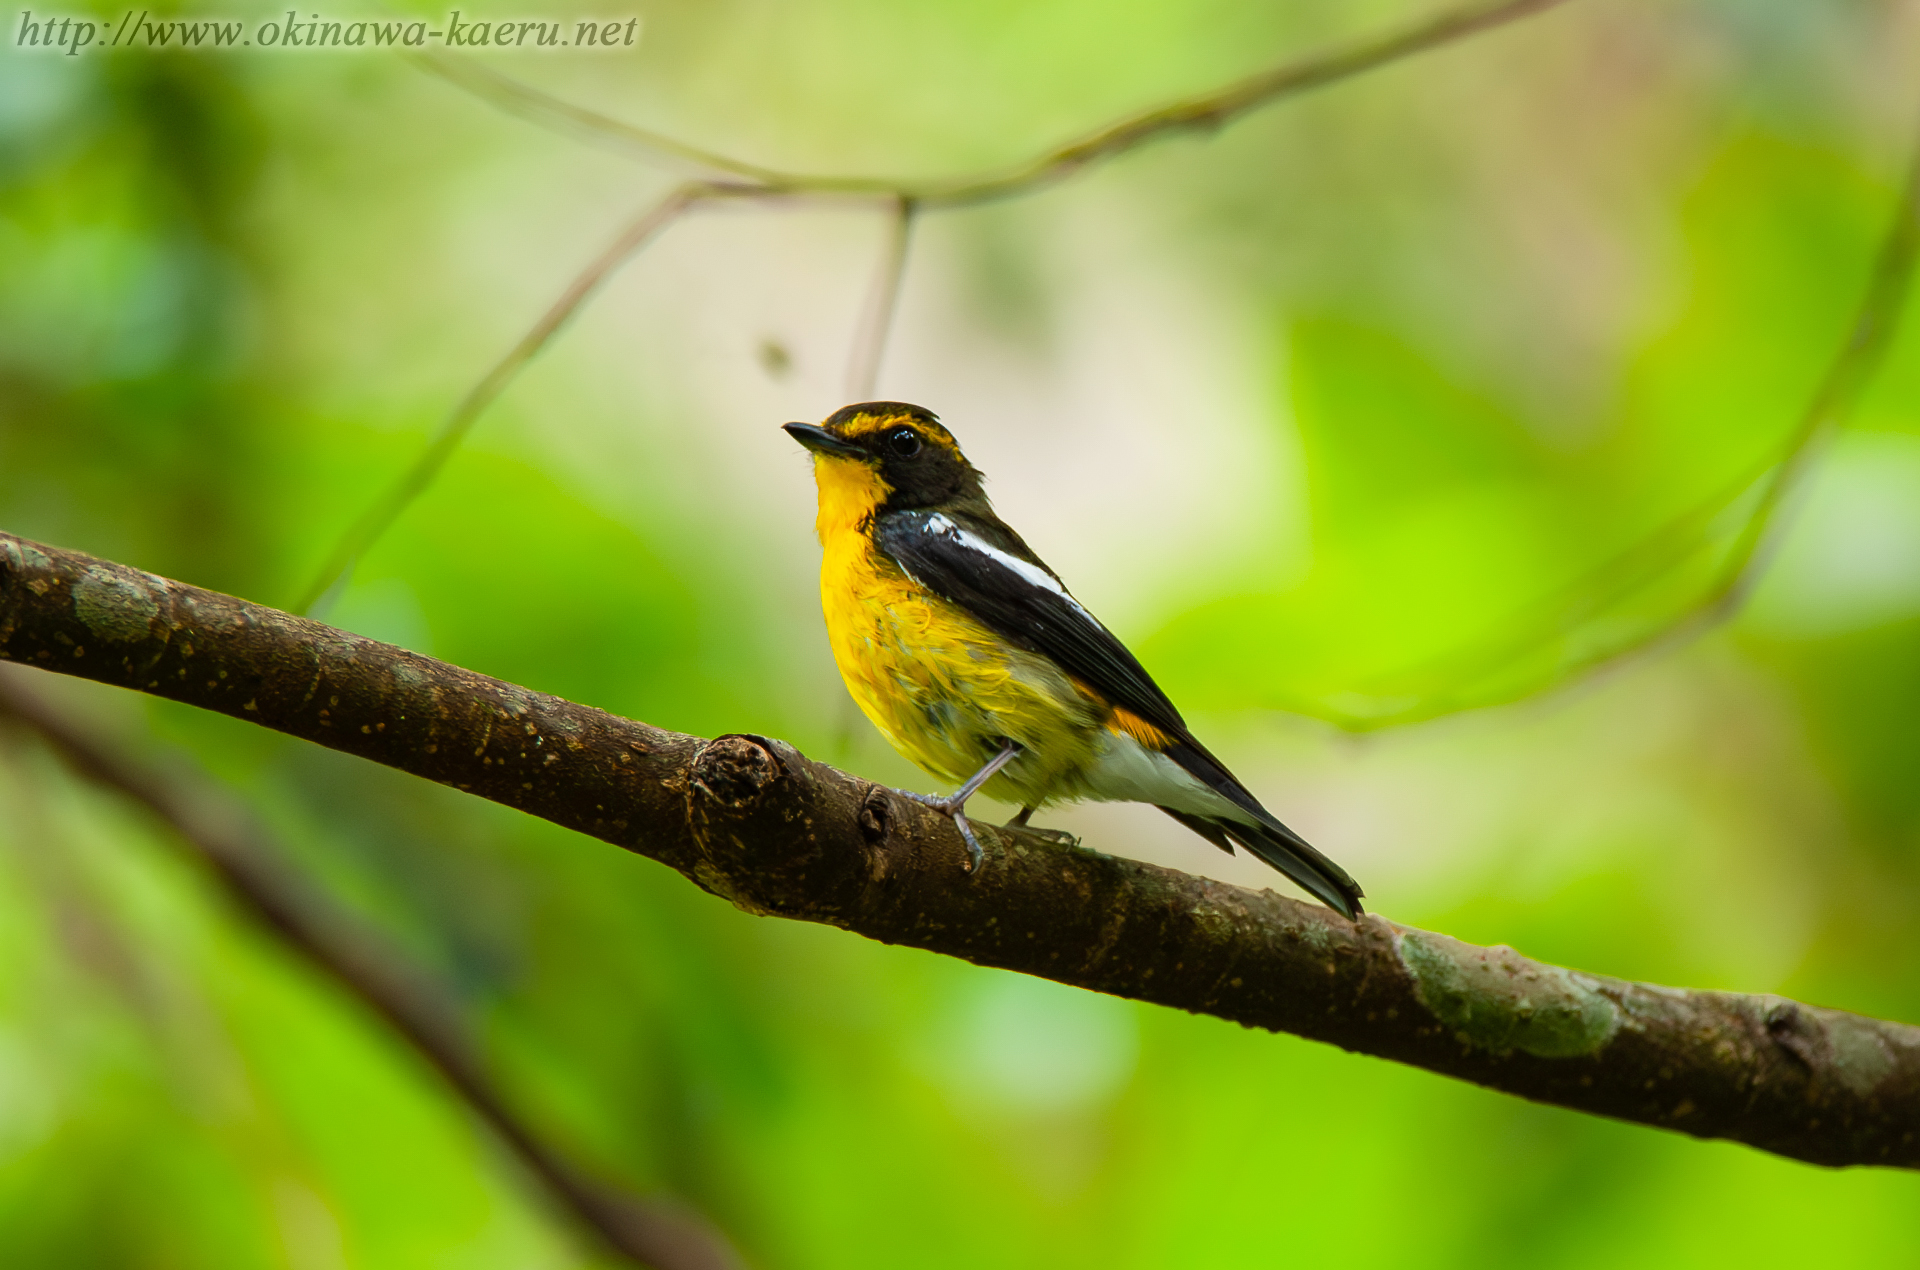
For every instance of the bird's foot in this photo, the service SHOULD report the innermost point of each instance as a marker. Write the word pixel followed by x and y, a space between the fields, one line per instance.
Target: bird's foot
pixel 953 807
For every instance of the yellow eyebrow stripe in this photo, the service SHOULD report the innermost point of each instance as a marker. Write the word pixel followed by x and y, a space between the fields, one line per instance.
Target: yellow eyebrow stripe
pixel 865 425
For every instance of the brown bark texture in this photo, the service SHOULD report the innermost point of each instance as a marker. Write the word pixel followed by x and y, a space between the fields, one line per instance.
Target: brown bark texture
pixel 754 821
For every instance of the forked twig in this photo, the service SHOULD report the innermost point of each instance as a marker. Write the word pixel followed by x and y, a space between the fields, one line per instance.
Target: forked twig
pixel 1205 111
pixel 746 179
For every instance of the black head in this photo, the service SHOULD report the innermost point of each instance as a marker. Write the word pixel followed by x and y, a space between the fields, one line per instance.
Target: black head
pixel 918 460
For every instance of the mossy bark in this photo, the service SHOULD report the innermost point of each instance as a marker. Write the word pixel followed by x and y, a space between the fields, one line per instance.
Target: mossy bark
pixel 754 821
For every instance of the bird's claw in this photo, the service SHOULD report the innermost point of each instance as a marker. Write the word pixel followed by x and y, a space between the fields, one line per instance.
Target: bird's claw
pixel 974 854
pixel 951 809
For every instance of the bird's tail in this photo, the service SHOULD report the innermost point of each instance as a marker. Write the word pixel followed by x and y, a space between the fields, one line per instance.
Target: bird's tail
pixel 1286 851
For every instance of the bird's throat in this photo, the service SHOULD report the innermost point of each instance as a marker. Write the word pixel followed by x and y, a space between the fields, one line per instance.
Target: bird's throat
pixel 850 493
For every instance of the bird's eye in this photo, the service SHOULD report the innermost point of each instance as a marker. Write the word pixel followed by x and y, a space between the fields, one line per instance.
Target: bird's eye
pixel 904 442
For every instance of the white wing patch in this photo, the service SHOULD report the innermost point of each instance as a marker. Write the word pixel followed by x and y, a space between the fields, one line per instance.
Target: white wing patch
pixel 940 525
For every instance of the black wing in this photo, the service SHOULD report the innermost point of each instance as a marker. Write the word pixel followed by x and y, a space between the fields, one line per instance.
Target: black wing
pixel 984 568
pixel 1009 589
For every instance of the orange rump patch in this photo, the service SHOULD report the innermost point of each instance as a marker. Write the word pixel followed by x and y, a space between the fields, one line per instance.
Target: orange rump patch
pixel 1139 729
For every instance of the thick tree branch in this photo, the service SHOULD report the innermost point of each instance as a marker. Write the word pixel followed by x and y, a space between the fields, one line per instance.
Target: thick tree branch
pixel 754 821
pixel 225 840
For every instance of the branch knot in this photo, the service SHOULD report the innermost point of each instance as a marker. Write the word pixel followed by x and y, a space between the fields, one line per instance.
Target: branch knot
pixel 1787 1028
pixel 734 770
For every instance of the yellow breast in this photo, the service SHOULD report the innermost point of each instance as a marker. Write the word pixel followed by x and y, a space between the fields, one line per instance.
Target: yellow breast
pixel 938 684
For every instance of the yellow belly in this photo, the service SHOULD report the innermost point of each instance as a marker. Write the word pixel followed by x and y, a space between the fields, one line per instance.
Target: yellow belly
pixel 944 689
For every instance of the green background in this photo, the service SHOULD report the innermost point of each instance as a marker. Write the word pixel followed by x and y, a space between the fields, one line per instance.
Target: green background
pixel 1332 416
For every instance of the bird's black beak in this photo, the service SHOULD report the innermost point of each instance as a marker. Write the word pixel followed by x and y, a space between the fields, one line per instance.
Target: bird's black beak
pixel 820 441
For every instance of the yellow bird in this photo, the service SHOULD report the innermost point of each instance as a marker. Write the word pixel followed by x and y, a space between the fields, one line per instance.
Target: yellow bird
pixel 971 657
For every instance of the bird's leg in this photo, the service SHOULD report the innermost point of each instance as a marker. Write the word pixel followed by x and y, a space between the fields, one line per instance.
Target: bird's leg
pixel 954 805
pixel 1019 825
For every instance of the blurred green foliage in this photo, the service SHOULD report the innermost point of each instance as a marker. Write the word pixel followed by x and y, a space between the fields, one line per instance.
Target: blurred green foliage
pixel 1323 411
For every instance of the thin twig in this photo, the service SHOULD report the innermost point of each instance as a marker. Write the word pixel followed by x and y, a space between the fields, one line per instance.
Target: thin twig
pixel 334 575
pixel 1206 111
pixel 1859 357
pixel 555 114
pixel 883 301
pixel 257 879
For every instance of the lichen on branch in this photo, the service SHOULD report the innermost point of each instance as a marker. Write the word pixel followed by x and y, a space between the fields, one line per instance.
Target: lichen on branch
pixel 756 822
